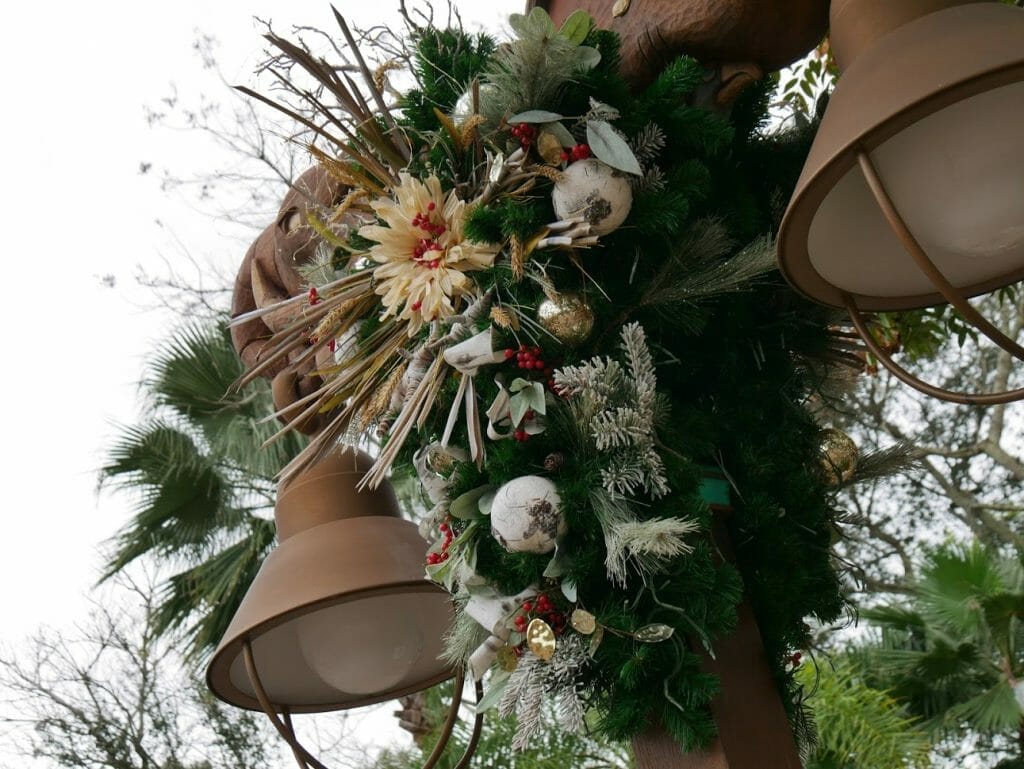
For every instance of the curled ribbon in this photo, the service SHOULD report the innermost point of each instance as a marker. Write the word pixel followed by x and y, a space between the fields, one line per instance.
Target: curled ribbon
pixel 492 610
pixel 467 358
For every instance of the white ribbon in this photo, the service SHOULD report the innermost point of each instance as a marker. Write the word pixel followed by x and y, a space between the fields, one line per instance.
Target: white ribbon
pixel 492 611
pixel 467 358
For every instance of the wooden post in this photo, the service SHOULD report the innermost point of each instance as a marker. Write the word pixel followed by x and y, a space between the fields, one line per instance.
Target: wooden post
pixel 753 729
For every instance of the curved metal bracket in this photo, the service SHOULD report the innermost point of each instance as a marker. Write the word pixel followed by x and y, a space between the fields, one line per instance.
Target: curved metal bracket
pixel 950 292
pixel 305 760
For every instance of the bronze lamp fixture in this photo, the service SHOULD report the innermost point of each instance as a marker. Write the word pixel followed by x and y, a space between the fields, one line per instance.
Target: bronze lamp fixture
pixel 913 192
pixel 339 614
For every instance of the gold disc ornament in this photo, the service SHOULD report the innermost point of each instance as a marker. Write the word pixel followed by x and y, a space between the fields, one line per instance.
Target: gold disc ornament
pixel 541 639
pixel 839 456
pixel 583 622
pixel 567 317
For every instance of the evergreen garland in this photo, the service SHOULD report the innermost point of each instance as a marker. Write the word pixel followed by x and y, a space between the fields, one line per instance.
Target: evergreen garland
pixel 716 359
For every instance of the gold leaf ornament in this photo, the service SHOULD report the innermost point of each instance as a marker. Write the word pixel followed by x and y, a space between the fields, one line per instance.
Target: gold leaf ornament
pixel 541 639
pixel 508 659
pixel 620 8
pixel 583 622
pixel 652 634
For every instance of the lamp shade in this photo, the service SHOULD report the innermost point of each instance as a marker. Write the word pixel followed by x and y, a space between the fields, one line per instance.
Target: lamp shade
pixel 936 103
pixel 339 615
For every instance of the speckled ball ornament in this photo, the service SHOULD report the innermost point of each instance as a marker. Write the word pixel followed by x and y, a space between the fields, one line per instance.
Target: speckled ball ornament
pixel 839 456
pixel 526 515
pixel 567 317
pixel 463 109
pixel 595 192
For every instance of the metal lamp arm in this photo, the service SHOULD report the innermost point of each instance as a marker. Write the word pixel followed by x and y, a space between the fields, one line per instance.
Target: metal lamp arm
pixel 965 399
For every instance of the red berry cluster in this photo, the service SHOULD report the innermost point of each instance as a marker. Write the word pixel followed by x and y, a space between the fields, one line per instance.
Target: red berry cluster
pixel 435 558
pixel 526 133
pixel 579 152
pixel 314 297
pixel 426 246
pixel 422 220
pixel 795 659
pixel 528 359
pixel 543 608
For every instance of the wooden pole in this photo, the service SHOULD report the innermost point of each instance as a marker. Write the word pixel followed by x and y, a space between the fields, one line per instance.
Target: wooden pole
pixel 753 729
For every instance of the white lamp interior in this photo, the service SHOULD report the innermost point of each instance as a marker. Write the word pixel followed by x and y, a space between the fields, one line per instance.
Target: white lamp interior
pixel 957 178
pixel 349 652
pixel 385 630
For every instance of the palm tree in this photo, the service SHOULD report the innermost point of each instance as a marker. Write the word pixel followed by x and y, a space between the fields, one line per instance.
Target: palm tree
pixel 859 727
pixel 202 484
pixel 955 655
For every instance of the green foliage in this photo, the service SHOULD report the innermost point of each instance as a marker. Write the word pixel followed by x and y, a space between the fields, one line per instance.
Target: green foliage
pixel 859 727
pixel 446 61
pixel 550 747
pixel 731 360
pixel 952 655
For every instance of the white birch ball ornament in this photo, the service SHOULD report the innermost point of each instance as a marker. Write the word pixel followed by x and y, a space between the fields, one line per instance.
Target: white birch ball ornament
pixel 463 109
pixel 526 515
pixel 594 191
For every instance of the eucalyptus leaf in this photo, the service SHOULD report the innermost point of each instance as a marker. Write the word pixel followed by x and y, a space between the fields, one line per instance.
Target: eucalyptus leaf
pixel 577 26
pixel 465 506
pixel 484 503
pixel 558 565
pixel 495 688
pixel 569 590
pixel 652 634
pixel 610 148
pixel 587 57
pixel 561 133
pixel 536 25
pixel 535 116
pixel 530 398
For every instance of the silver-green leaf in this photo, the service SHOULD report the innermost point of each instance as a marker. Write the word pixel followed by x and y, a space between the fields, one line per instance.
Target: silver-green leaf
pixel 535 116
pixel 610 148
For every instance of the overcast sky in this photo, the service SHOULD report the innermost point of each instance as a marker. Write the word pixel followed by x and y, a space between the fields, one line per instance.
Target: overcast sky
pixel 72 137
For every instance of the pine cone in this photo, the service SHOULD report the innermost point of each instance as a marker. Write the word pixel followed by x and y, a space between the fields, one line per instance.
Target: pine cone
pixel 553 462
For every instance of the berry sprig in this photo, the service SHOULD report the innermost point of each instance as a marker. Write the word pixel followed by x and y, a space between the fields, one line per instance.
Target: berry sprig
pixel 579 152
pixel 541 608
pixel 528 359
pixel 435 558
pixel 526 134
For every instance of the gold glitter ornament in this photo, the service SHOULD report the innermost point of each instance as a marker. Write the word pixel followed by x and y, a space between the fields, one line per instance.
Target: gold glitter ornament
pixel 508 659
pixel 441 461
pixel 839 456
pixel 567 317
pixel 541 639
pixel 583 622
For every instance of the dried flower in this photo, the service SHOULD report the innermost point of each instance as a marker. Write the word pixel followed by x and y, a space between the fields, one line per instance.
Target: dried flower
pixel 422 255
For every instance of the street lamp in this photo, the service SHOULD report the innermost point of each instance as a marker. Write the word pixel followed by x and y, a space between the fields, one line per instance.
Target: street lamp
pixel 339 614
pixel 913 192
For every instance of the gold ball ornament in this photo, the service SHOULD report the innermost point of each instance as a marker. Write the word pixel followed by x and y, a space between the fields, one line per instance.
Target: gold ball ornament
pixel 567 317
pixel 839 456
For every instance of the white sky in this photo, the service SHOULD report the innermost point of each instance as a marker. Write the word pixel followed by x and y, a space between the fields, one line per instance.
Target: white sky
pixel 72 136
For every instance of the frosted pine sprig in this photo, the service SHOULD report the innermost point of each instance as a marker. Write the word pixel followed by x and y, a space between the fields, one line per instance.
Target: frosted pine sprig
pixel 618 407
